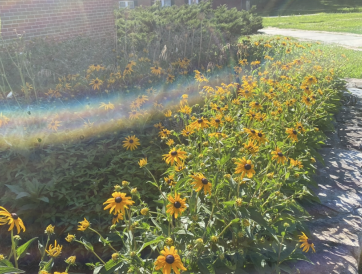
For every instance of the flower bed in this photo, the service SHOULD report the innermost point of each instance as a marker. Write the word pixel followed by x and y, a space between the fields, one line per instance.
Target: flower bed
pixel 227 191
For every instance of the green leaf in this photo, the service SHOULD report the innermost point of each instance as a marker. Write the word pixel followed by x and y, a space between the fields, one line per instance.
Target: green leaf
pixel 44 199
pixel 23 248
pixel 87 245
pixel 5 262
pixel 155 241
pixel 9 270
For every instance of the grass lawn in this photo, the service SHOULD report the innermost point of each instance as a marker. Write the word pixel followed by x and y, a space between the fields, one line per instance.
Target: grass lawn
pixel 337 22
pixel 294 7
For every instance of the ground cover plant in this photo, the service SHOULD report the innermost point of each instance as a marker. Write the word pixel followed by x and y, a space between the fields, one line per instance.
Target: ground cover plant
pixel 335 22
pixel 215 184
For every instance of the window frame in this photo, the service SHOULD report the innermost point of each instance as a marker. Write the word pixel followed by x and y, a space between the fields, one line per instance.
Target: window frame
pixel 127 2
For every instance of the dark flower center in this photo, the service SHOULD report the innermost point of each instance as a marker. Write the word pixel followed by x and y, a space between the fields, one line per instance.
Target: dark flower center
pixel 204 181
pixel 309 241
pixel 218 108
pixel 253 115
pixel 247 166
pixel 295 132
pixel 308 99
pixel 170 259
pixel 118 200
pixel 188 132
pixel 173 153
pixel 260 134
pixel 179 167
pixel 246 91
pixel 115 217
pixel 96 82
pixel 131 141
pixel 177 204
pixel 217 120
pixel 200 121
pixel 280 154
pixel 156 68
pixel 257 104
pixel 14 216
pixel 252 131
pixel 299 127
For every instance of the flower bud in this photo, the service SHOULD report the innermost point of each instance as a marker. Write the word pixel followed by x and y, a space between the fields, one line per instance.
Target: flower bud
pixel 144 211
pixel 125 183
pixel 71 260
pixel 214 239
pixel 134 191
pixel 169 241
pixel 115 256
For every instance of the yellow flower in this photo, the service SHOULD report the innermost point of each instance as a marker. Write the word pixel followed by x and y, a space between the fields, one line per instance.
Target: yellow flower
pixel 96 83
pixel 134 114
pixel 296 163
pixel 218 134
pixel 200 123
pixel 176 206
pixel 168 113
pixel 187 131
pixel 170 142
pixel 118 203
pixel 83 225
pixel 115 256
pixel 200 182
pixel 185 109
pixel 71 260
pixel 106 106
pixel 156 70
pixel 134 191
pixel 251 147
pixel 169 241
pixel 170 78
pixel 54 124
pixel 307 100
pixel 131 142
pixel 306 243
pixel 2 257
pixel 216 122
pixel 270 175
pixel 310 80
pixel 158 126
pixel 143 162
pixel 70 238
pixel 3 119
pixel 200 78
pixel 144 211
pixel 292 134
pixel 116 218
pixel 49 230
pixel 179 167
pixel 54 251
pixel 174 156
pixel 255 105
pixel 245 167
pixel 278 156
pixel 312 160
pixel 169 260
pixel 239 202
pixel 170 180
pixel 11 219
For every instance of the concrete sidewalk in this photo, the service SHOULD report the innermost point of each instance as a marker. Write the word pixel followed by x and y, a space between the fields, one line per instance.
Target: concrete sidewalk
pixel 348 40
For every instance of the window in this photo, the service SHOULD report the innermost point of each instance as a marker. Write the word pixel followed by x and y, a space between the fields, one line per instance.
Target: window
pixel 126 4
pixel 193 2
pixel 166 3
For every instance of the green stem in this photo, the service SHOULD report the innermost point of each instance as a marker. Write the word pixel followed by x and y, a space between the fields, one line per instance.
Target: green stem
pixel 95 254
pixel 13 248
pixel 102 238
pixel 45 248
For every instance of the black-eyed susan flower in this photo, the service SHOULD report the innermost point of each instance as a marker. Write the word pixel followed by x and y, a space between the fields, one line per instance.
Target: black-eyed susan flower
pixel 260 137
pixel 252 133
pixel 96 83
pixel 177 205
pixel 310 80
pixel 169 260
pixel 54 124
pixel 168 113
pixel 156 70
pixel 170 78
pixel 306 243
pixel 164 133
pixel 251 114
pixel 216 121
pixel 170 180
pixel 185 109
pixel 170 142
pixel 245 167
pixel 70 238
pixel 49 230
pixel 131 142
pixel 54 251
pixel 200 78
pixel 278 156
pixel 71 260
pixel 200 182
pixel 292 134
pixel 159 126
pixel 200 123
pixel 260 117
pixel 307 100
pixel 300 127
pixel 187 131
pixel 251 147
pixel 106 106
pixel 83 225
pixel 118 202
pixel 255 105
pixel 11 219
pixel 218 135
pixel 179 167
pixel 175 156
pixel 116 218
pixel 143 162
pixel 134 114
pixel 296 163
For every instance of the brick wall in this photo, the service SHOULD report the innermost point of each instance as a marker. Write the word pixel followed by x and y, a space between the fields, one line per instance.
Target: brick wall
pixel 57 18
pixel 67 18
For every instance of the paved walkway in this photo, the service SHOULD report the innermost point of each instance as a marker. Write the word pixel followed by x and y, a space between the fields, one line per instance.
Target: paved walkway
pixel 348 40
